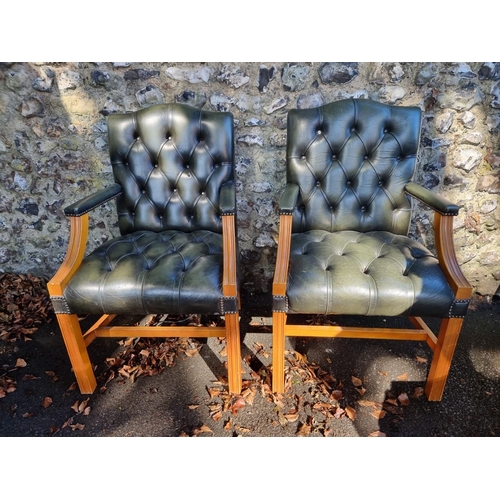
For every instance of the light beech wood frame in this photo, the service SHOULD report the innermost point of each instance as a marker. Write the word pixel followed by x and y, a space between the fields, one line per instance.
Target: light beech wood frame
pixel 77 342
pixel 443 345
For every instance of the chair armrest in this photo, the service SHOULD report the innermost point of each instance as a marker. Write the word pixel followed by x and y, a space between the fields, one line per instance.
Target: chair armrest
pixel 228 199
pixel 435 201
pixel 289 198
pixel 92 201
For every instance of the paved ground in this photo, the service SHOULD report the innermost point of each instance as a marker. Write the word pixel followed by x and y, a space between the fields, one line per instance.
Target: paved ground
pixel 378 382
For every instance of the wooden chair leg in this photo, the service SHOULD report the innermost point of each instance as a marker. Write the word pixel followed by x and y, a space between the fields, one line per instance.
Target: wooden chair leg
pixel 279 321
pixel 233 348
pixel 77 351
pixel 443 354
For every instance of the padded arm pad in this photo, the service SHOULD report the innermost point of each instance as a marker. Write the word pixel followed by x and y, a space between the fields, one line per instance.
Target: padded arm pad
pixel 93 201
pixel 228 199
pixel 433 200
pixel 289 198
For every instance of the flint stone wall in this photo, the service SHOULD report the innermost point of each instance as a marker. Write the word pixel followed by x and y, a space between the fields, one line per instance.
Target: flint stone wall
pixel 53 147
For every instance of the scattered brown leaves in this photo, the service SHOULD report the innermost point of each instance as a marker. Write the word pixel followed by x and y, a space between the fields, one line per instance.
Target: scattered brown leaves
pixel 25 305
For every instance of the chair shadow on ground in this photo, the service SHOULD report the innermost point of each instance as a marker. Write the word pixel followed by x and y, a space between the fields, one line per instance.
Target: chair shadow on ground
pixel 394 375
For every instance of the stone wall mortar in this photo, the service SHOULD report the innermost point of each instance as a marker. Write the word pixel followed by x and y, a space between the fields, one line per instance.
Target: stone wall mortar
pixel 53 146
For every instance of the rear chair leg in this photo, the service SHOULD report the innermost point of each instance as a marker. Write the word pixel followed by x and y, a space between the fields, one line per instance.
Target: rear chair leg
pixel 77 350
pixel 279 320
pixel 443 354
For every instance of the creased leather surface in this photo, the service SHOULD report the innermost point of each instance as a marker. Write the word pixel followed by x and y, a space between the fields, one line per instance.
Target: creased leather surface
pixel 352 159
pixel 373 273
pixel 150 273
pixel 171 161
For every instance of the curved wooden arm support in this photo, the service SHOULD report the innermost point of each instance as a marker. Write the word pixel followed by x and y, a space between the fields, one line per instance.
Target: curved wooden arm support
pixel 79 228
pixel 283 255
pixel 443 234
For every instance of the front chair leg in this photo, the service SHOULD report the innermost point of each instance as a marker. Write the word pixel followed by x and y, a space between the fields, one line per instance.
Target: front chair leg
pixel 443 354
pixel 233 352
pixel 77 351
pixel 279 320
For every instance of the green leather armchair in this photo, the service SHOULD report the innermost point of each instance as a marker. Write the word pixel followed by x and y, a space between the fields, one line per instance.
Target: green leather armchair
pixel 343 244
pixel 173 167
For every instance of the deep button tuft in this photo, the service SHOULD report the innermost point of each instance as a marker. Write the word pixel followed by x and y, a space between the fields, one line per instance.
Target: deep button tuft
pixel 363 208
pixel 366 157
pixel 349 183
pixel 303 157
pixel 334 157
pixel 318 183
pixel 318 132
pixel 380 183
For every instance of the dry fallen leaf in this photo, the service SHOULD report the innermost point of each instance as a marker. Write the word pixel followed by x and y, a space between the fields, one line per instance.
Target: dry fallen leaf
pixel 377 434
pixel 243 430
pixel 421 360
pixel 20 363
pixel 304 430
pixel 403 376
pixel 356 381
pixel 378 414
pixel 351 412
pixel 249 394
pixel 418 392
pixel 337 395
pixel 339 412
pixel 237 405
pixel 46 402
pixel 203 428
pixel 193 407
pixel 292 416
pixel 403 399
pixel 83 404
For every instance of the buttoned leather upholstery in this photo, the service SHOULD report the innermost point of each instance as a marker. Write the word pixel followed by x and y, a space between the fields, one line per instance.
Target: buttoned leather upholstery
pixel 348 164
pixel 374 274
pixel 352 160
pixel 174 175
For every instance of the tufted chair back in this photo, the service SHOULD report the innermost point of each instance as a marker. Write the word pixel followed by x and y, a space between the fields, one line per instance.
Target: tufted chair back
pixel 171 161
pixel 351 160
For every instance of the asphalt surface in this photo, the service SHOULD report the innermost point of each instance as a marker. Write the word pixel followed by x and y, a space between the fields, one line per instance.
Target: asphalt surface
pixel 377 382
